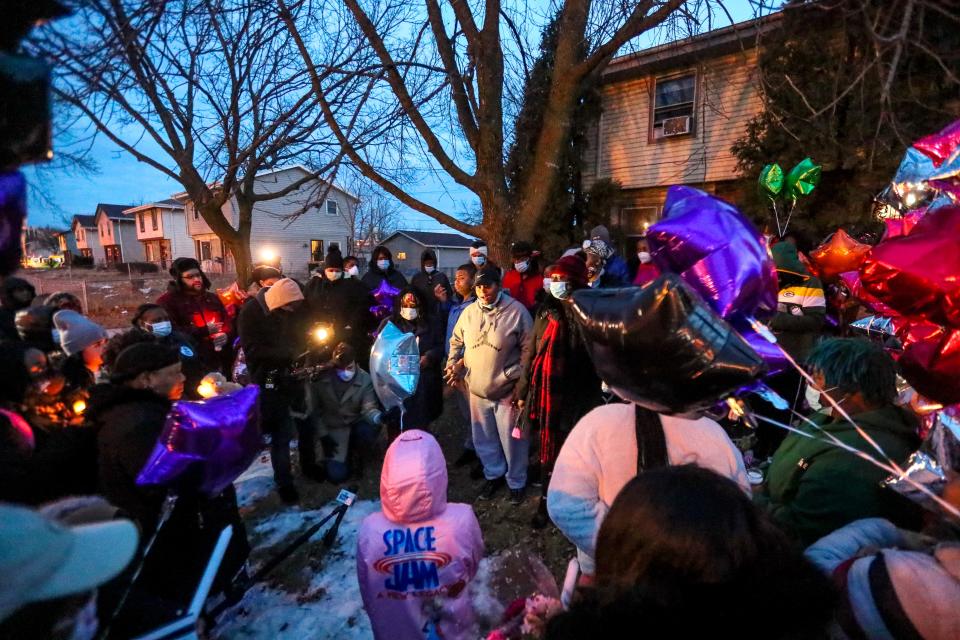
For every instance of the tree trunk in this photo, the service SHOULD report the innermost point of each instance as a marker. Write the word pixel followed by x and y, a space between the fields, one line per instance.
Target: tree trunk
pixel 498 230
pixel 242 258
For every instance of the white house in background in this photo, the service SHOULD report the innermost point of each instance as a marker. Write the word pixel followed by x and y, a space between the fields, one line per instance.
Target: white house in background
pixel 67 241
pixel 162 230
pixel 299 242
pixel 85 234
pixel 117 235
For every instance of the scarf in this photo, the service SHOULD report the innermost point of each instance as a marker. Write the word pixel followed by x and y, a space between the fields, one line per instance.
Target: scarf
pixel 546 371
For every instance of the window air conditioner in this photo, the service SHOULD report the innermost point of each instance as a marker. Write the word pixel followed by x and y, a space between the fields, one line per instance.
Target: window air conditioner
pixel 676 126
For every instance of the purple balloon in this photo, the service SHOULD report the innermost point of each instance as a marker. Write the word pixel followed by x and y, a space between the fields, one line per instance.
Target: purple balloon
pixel 217 439
pixel 384 295
pixel 771 355
pixel 717 251
pixel 13 209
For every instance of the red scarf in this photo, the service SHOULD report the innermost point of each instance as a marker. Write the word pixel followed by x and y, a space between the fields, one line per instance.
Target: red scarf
pixel 543 369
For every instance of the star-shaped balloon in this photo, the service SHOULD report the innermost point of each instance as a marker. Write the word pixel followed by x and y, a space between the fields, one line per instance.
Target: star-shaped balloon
pixel 841 253
pixel 384 295
pixel 903 225
pixel 206 445
pixel 394 366
pixel 802 179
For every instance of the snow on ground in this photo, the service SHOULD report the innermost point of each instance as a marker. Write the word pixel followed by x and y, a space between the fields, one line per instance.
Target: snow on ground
pixel 326 604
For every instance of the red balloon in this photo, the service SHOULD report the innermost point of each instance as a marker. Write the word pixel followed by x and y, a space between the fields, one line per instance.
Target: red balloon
pixel 919 275
pixel 931 362
pixel 851 280
pixel 941 145
pixel 841 253
pixel 902 226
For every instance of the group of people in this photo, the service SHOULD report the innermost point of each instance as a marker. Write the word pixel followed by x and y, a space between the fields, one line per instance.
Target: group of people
pixel 674 531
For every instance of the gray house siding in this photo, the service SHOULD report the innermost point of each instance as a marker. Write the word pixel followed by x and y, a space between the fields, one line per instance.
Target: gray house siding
pixel 406 256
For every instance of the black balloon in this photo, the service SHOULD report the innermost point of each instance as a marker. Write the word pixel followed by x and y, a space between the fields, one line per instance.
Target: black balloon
pixel 663 347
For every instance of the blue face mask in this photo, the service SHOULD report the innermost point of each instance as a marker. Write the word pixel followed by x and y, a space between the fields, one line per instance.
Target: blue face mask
pixel 560 290
pixel 383 265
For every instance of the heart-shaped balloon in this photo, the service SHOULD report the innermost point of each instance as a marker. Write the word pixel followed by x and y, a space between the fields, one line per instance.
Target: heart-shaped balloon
pixel 662 347
pixel 206 444
pixel 717 251
pixel 941 145
pixel 919 275
pixel 841 253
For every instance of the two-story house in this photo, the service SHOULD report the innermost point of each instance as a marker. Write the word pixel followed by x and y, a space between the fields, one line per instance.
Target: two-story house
pixel 67 243
pixel 670 115
pixel 293 229
pixel 117 235
pixel 84 228
pixel 161 228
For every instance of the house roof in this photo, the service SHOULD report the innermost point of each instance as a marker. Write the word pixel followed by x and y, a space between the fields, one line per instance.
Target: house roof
pixel 169 203
pixel 88 221
pixel 729 39
pixel 434 239
pixel 113 211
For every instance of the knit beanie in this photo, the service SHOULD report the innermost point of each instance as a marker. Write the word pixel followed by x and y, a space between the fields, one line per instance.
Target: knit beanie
pixel 573 268
pixel 76 331
pixel 284 291
pixel 143 357
pixel 333 260
pixel 263 272
pixel 182 265
pixel 598 247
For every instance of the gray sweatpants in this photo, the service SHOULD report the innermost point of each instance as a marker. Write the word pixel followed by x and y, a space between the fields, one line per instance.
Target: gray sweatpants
pixel 500 453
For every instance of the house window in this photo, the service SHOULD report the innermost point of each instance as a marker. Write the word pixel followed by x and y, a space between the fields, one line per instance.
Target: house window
pixel 316 251
pixel 634 221
pixel 401 255
pixel 142 228
pixel 153 218
pixel 673 103
pixel 331 207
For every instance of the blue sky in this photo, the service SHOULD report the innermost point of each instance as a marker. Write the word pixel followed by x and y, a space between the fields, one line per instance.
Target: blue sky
pixel 56 194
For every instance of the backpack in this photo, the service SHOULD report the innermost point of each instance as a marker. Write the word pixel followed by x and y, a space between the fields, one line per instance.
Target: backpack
pixel 651 442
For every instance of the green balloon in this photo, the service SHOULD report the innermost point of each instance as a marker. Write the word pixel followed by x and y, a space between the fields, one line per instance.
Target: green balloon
pixel 802 179
pixel 771 180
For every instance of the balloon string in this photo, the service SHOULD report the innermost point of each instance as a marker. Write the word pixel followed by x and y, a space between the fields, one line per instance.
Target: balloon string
pixel 789 215
pixel 776 217
pixel 765 332
pixel 891 469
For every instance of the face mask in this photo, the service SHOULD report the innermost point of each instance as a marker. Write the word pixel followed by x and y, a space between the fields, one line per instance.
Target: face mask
pixel 429 269
pixel 522 267
pixel 813 397
pixel 496 301
pixel 333 275
pixel 643 256
pixel 56 336
pixel 353 272
pixel 408 313
pixel 594 272
pixel 560 290
pixel 546 284
pixel 347 374
pixel 383 265
pixel 160 329
pixel 479 260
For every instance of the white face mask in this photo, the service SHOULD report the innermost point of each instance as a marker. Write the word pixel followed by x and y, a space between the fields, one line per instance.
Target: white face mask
pixel 546 284
pixel 643 256
pixel 496 301
pixel 408 313
pixel 161 329
pixel 522 266
pixel 353 272
pixel 429 269
pixel 333 274
pixel 560 290
pixel 383 265
pixel 347 374
pixel 813 397
pixel 479 260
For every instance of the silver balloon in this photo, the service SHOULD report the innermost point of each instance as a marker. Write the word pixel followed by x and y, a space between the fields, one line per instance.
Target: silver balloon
pixel 394 366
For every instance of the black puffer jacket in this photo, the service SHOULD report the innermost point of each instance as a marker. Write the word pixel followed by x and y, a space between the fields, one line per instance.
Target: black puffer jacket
pixel 129 422
pixel 426 282
pixel 345 304
pixel 375 276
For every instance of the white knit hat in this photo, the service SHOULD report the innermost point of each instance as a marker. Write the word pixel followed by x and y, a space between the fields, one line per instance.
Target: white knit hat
pixel 283 291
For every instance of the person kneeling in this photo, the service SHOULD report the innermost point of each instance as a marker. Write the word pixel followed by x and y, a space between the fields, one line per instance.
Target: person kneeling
pixel 348 414
pixel 415 558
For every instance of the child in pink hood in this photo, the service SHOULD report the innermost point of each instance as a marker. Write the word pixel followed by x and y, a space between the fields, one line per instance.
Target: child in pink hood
pixel 416 556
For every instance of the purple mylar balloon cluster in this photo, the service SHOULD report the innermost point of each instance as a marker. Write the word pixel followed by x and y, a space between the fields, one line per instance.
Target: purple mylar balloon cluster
pixel 13 209
pixel 215 439
pixel 718 252
pixel 385 294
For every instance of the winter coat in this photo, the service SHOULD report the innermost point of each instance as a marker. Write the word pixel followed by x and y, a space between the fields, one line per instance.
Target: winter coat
pixel 416 556
pixel 574 386
pixel 16 450
pixel 425 282
pixel 493 345
pixel 524 286
pixel 454 314
pixel 801 304
pixel 9 306
pixel 193 369
pixel 646 272
pixel 129 422
pixel 190 314
pixel 599 457
pixel 345 304
pixel 887 592
pixel 271 340
pixel 618 272
pixel 609 280
pixel 374 277
pixel 338 411
pixel 426 404
pixel 814 487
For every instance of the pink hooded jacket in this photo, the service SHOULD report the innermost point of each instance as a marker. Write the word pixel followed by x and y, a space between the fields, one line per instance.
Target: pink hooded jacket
pixel 416 556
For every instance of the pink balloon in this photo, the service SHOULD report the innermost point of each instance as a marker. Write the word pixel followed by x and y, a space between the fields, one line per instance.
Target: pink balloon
pixel 941 145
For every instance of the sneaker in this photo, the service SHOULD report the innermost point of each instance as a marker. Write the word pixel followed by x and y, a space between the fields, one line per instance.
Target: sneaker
pixel 476 472
pixel 517 496
pixel 289 494
pixel 468 456
pixel 492 487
